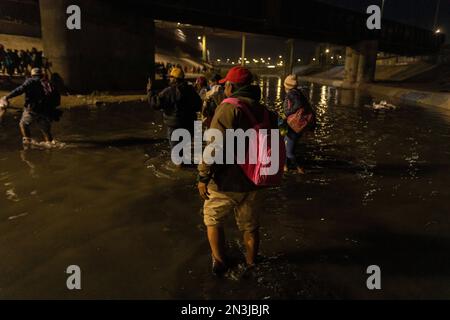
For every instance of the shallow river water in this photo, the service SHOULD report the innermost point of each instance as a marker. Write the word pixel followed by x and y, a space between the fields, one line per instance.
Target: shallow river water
pixel 376 192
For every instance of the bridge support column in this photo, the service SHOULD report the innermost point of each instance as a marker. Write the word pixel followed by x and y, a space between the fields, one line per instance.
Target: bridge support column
pixel 110 52
pixel 367 62
pixel 351 67
pixel 360 64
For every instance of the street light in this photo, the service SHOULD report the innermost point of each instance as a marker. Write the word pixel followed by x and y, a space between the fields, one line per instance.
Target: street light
pixel 436 17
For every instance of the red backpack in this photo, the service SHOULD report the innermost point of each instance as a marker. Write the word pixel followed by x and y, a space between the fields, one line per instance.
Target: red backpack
pixel 261 173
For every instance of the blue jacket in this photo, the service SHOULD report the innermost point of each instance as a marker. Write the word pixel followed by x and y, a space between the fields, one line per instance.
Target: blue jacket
pixel 34 94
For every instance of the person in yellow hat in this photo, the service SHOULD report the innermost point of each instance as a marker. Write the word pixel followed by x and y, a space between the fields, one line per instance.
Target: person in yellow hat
pixel 179 103
pixel 176 74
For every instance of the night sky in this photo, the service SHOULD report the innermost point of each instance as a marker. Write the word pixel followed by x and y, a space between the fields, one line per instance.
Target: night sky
pixel 414 12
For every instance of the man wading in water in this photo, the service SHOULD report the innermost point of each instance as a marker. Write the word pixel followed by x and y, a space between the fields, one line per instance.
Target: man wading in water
pixel 41 102
pixel 225 187
pixel 179 103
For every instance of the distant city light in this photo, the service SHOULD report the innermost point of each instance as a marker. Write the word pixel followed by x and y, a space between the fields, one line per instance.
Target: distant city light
pixel 199 38
pixel 271 67
pixel 438 31
pixel 281 57
pixel 218 60
pixel 327 51
pixel 268 58
pixel 299 60
pixel 314 59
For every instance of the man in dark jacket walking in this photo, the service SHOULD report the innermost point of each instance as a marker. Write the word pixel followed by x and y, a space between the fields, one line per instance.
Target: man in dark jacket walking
pixel 39 95
pixel 179 103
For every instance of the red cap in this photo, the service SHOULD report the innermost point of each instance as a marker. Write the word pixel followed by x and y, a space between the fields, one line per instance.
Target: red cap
pixel 238 75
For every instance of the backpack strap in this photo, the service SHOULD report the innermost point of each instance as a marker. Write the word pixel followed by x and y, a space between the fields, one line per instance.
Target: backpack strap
pixel 244 107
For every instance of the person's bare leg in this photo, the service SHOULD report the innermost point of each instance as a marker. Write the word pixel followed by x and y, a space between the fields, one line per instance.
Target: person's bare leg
pixel 216 238
pixel 251 242
pixel 25 130
pixel 47 134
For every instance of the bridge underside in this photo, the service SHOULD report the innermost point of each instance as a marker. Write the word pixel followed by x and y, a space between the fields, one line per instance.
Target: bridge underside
pixel 115 48
pixel 307 20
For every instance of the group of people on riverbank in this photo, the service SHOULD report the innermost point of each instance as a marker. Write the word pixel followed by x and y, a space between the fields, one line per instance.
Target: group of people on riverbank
pixel 20 62
pixel 163 69
pixel 233 102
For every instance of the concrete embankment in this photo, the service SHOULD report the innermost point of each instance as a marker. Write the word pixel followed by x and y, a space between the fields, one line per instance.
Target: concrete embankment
pixel 403 95
pixel 93 100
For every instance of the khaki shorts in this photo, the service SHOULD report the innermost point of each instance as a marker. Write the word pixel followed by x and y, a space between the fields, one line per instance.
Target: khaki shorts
pixel 220 204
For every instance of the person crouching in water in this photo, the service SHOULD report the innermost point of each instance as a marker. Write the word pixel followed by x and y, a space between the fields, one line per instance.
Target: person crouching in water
pixel 179 103
pixel 294 100
pixel 41 100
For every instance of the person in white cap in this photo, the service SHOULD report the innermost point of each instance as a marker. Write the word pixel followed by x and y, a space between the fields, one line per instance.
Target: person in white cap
pixel 41 100
pixel 294 100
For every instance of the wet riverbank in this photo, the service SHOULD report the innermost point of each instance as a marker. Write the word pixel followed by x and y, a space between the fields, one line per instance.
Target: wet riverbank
pixel 375 192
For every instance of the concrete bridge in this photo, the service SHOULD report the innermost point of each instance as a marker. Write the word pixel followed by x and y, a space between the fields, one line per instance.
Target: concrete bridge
pixel 115 48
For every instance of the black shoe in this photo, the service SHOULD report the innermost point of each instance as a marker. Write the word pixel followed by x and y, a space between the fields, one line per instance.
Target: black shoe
pixel 218 268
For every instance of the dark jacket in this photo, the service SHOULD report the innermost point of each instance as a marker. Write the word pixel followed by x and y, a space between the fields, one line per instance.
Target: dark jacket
pixel 34 94
pixel 179 104
pixel 230 177
pixel 296 99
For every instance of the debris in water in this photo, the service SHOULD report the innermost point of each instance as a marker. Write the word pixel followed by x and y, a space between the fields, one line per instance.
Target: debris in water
pixel 18 216
pixel 382 105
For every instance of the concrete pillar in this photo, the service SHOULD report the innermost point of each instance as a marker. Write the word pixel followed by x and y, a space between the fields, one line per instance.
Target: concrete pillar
pixel 367 62
pixel 360 63
pixel 351 67
pixel 244 40
pixel 114 50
